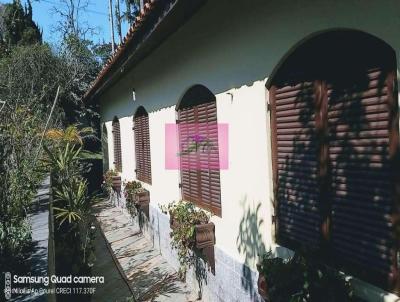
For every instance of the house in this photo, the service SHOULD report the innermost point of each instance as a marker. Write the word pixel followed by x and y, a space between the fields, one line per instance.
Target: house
pixel 308 94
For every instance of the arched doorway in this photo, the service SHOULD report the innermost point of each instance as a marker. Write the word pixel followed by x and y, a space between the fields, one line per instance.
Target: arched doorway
pixel 334 120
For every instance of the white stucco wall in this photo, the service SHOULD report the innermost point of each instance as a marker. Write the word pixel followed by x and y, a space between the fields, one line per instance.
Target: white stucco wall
pixel 231 47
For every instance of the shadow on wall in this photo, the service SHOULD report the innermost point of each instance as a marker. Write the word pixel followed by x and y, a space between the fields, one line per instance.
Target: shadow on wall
pixel 249 242
pixel 337 154
pixel 357 180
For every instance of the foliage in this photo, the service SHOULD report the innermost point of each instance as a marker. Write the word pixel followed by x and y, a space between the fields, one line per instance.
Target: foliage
pixel 19 179
pixel 132 10
pixel 102 51
pixel 131 187
pixel 18 238
pixel 18 27
pixel 30 74
pixel 185 216
pixel 303 278
pixel 73 200
pixel 29 78
pixel 284 277
pixel 72 134
pixel 66 160
pixel 108 181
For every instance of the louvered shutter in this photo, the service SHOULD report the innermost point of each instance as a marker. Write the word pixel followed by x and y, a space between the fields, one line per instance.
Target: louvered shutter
pixel 200 174
pixel 357 160
pixel 295 164
pixel 142 148
pixel 363 176
pixel 117 145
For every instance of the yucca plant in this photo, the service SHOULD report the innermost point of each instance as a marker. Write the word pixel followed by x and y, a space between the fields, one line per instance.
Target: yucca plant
pixel 64 163
pixel 72 201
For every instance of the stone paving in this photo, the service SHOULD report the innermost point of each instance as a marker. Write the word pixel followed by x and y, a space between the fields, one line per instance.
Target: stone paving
pixel 148 274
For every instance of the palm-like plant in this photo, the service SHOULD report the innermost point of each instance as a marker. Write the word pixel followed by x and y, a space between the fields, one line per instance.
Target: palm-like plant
pixel 73 201
pixel 64 162
pixel 72 134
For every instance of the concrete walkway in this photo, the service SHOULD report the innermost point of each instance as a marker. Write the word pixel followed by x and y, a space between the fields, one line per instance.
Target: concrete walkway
pixel 115 288
pixel 39 221
pixel 148 274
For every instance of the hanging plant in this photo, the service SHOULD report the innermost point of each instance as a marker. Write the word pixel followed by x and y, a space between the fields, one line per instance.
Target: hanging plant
pixel 130 189
pixel 184 218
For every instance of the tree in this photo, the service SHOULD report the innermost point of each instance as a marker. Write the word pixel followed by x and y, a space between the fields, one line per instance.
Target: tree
pixel 132 10
pixel 70 23
pixel 102 51
pixel 30 74
pixel 118 20
pixel 17 26
pixel 27 98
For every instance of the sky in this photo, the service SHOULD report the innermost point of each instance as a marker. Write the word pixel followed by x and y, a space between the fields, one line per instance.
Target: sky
pixel 96 16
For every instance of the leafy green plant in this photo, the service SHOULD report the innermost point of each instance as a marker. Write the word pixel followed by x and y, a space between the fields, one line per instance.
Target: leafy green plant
pixel 72 200
pixel 66 160
pixel 302 278
pixel 18 236
pixel 130 189
pixel 108 181
pixel 64 163
pixel 185 216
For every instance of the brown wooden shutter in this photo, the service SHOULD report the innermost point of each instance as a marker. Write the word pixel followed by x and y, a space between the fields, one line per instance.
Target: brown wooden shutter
pixel 336 159
pixel 363 176
pixel 200 174
pixel 295 164
pixel 117 145
pixel 142 146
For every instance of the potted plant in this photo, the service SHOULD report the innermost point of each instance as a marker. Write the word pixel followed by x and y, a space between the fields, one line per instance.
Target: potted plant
pixel 112 182
pixel 302 277
pixel 191 229
pixel 279 279
pixel 130 189
pixel 142 197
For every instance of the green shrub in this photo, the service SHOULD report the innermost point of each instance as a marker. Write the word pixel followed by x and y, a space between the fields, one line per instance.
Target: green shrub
pixel 303 278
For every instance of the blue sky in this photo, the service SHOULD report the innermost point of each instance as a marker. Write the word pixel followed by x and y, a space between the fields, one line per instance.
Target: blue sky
pixel 96 16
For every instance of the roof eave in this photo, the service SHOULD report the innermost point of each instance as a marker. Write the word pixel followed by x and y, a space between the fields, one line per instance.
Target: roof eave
pixel 142 43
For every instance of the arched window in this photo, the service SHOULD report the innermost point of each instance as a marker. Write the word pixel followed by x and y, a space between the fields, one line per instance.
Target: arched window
pixel 117 144
pixel 334 120
pixel 142 145
pixel 198 146
pixel 104 145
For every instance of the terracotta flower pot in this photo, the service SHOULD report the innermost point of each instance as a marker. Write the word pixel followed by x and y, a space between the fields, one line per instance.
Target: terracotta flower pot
pixel 204 235
pixel 142 198
pixel 116 183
